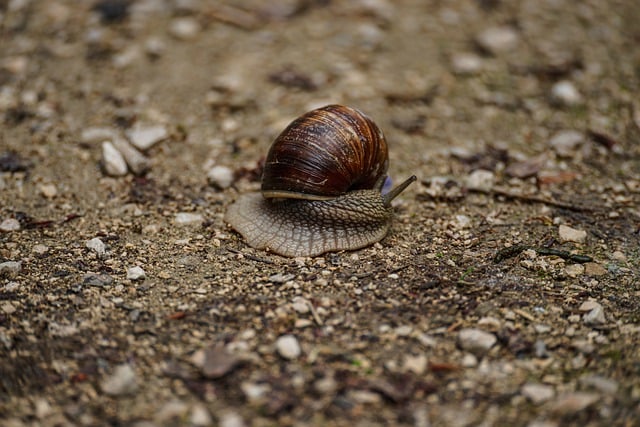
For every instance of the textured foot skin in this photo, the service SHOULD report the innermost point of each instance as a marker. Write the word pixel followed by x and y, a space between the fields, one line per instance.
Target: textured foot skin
pixel 297 228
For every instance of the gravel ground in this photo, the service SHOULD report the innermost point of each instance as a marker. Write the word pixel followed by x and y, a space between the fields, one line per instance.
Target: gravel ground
pixel 507 292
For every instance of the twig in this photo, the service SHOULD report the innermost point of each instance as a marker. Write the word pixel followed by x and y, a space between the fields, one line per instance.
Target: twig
pixel 314 313
pixel 524 314
pixel 397 269
pixel 535 199
pixel 454 326
pixel 512 251
pixel 233 15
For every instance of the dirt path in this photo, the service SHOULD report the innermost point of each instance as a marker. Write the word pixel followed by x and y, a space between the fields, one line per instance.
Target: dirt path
pixel 507 292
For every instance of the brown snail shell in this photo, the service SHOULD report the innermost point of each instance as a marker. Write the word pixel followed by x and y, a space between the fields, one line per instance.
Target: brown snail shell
pixel 321 187
pixel 325 153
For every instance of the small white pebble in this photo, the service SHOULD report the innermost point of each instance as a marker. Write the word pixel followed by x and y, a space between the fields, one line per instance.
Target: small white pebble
pixel 40 249
pixel 97 246
pixel 480 179
pixel 565 93
pixel 462 221
pixel 416 364
pixel 48 190
pixel 7 308
pixel 619 256
pixel 595 316
pixel 574 270
pixel 466 63
pixel 145 136
pixel 220 177
pixel 573 402
pixel 300 305
pixel 188 218
pixel 498 39
pixel 112 160
pixel 288 347
pixel 155 47
pixel 138 162
pixel 568 234
pixel 475 340
pixel 96 135
pixel 10 267
pixel 231 419
pixel 184 28
pixel 126 57
pixel 135 273
pixel 10 224
pixel 600 383
pixel 11 286
pixel 469 361
pixel 589 305
pixel 403 330
pixel 537 393
pixel 200 416
pixel 121 382
pixel 566 142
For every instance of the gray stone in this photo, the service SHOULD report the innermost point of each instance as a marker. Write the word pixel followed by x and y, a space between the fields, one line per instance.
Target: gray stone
pixel 255 392
pixel 112 160
pixel 121 382
pixel 281 278
pixel 466 63
pixel 481 180
pixel 325 385
pixel 231 419
pixel 476 341
pixel 10 224
pixel 600 383
pixel 188 218
pixel 540 349
pixel 574 270
pixel 40 249
pixel 218 362
pixel 200 416
pixel 537 393
pixel 96 135
pixel 48 190
pixel 145 136
pixel 135 273
pixel 97 246
pixel 566 142
pixel 568 234
pixel 572 403
pixel 10 268
pixel 416 364
pixel 595 316
pixel 138 163
pixel 498 39
pixel 98 280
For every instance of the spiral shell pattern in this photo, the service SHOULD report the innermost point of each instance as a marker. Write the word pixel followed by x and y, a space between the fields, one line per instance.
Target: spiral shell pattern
pixel 325 153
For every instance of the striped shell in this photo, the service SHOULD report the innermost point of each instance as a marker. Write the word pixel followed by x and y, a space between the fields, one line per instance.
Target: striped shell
pixel 325 153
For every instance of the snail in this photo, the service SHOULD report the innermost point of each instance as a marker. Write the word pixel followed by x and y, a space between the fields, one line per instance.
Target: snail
pixel 321 187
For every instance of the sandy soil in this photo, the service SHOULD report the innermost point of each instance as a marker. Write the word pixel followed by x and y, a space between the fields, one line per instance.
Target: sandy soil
pixel 507 292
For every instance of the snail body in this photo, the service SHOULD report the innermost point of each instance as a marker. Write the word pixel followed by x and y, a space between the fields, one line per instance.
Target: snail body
pixel 321 187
